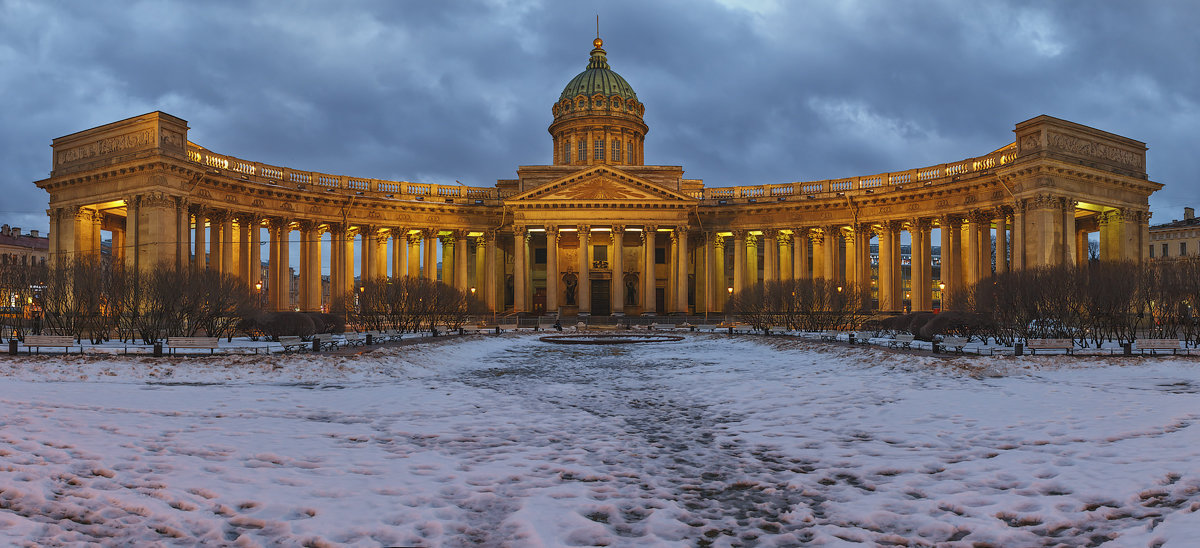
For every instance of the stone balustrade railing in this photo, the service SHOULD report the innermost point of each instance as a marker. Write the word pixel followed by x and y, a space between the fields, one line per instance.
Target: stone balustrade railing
pixel 865 184
pixel 309 180
pixel 404 190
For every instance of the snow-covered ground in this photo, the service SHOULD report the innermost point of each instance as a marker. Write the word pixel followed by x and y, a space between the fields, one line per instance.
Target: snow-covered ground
pixel 506 440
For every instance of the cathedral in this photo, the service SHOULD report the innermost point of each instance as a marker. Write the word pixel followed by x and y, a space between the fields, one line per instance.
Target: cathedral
pixel 597 231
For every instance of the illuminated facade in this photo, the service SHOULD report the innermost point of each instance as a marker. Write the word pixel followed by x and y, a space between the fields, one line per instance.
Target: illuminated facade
pixel 597 231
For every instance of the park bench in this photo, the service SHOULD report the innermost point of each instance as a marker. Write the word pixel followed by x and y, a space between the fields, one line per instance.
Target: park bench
pixel 1154 345
pixel 53 341
pixel 293 344
pixel 903 340
pixel 1034 345
pixel 209 343
pixel 662 326
pixel 354 339
pixel 326 340
pixel 957 343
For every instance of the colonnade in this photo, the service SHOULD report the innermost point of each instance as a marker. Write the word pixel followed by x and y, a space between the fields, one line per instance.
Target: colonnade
pixel 694 270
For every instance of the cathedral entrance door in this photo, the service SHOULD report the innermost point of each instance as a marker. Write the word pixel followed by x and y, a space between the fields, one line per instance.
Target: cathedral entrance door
pixel 601 297
pixel 539 301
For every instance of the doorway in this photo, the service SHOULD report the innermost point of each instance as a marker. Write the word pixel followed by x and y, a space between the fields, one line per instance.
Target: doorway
pixel 601 297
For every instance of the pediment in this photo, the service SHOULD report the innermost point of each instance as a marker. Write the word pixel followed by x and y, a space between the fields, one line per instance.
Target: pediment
pixel 600 184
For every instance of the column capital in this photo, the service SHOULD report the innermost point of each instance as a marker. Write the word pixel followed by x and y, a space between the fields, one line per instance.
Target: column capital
pixel 430 232
pixel 816 236
pixel 618 229
pixel 649 228
pixel 278 223
pixel 921 223
pixel 553 231
pixel 584 229
pixel 770 232
pixel 783 238
pixel 337 229
pixel 717 240
pixel 307 225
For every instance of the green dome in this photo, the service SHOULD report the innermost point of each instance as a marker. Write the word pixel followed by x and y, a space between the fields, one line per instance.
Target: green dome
pixel 598 78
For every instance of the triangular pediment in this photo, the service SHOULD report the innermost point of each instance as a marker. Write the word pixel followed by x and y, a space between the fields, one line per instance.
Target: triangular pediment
pixel 600 184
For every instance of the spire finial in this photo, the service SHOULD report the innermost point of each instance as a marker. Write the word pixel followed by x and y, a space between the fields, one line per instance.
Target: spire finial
pixel 597 42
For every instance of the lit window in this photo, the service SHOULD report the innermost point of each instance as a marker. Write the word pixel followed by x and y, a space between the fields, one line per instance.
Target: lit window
pixel 616 157
pixel 598 150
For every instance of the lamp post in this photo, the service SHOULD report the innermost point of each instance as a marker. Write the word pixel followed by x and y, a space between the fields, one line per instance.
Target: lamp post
pixel 728 290
pixel 941 296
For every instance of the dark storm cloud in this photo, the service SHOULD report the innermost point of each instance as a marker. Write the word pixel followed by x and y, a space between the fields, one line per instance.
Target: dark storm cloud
pixel 737 93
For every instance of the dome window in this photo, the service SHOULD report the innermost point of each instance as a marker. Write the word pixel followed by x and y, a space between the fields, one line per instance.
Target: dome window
pixel 616 151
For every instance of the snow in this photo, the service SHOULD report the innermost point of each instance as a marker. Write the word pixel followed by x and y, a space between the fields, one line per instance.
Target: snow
pixel 506 440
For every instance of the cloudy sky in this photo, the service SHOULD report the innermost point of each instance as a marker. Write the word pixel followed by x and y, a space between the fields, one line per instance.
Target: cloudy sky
pixel 736 92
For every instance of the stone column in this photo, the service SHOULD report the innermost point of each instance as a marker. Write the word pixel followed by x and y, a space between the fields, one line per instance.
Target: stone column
pixel 585 264
pixel 1001 241
pixel 348 287
pixel 800 245
pixel 414 254
pixel 648 280
pixel 718 292
pixel 1068 232
pixel 491 287
pixel 216 243
pixel 887 260
pixel 156 230
pixel 460 260
pixel 228 250
pixel 201 259
pixel 971 266
pixel 921 266
pixel 751 258
pixel 553 275
pixel 310 267
pixel 381 255
pixel 337 270
pixel 183 251
pixel 617 262
pixel 1044 231
pixel 131 233
pixel 272 285
pixel 282 285
pixel 681 269
pixel 243 248
pixel 862 260
pixel 951 257
pixel 480 267
pixel 831 249
pixel 399 252
pixel 1018 237
pixel 366 255
pixel 784 245
pixel 739 260
pixel 429 269
pixel 770 244
pixel 448 268
pixel 818 239
pixel 520 260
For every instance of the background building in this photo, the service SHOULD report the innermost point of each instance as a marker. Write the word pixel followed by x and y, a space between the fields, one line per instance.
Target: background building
pixel 1178 238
